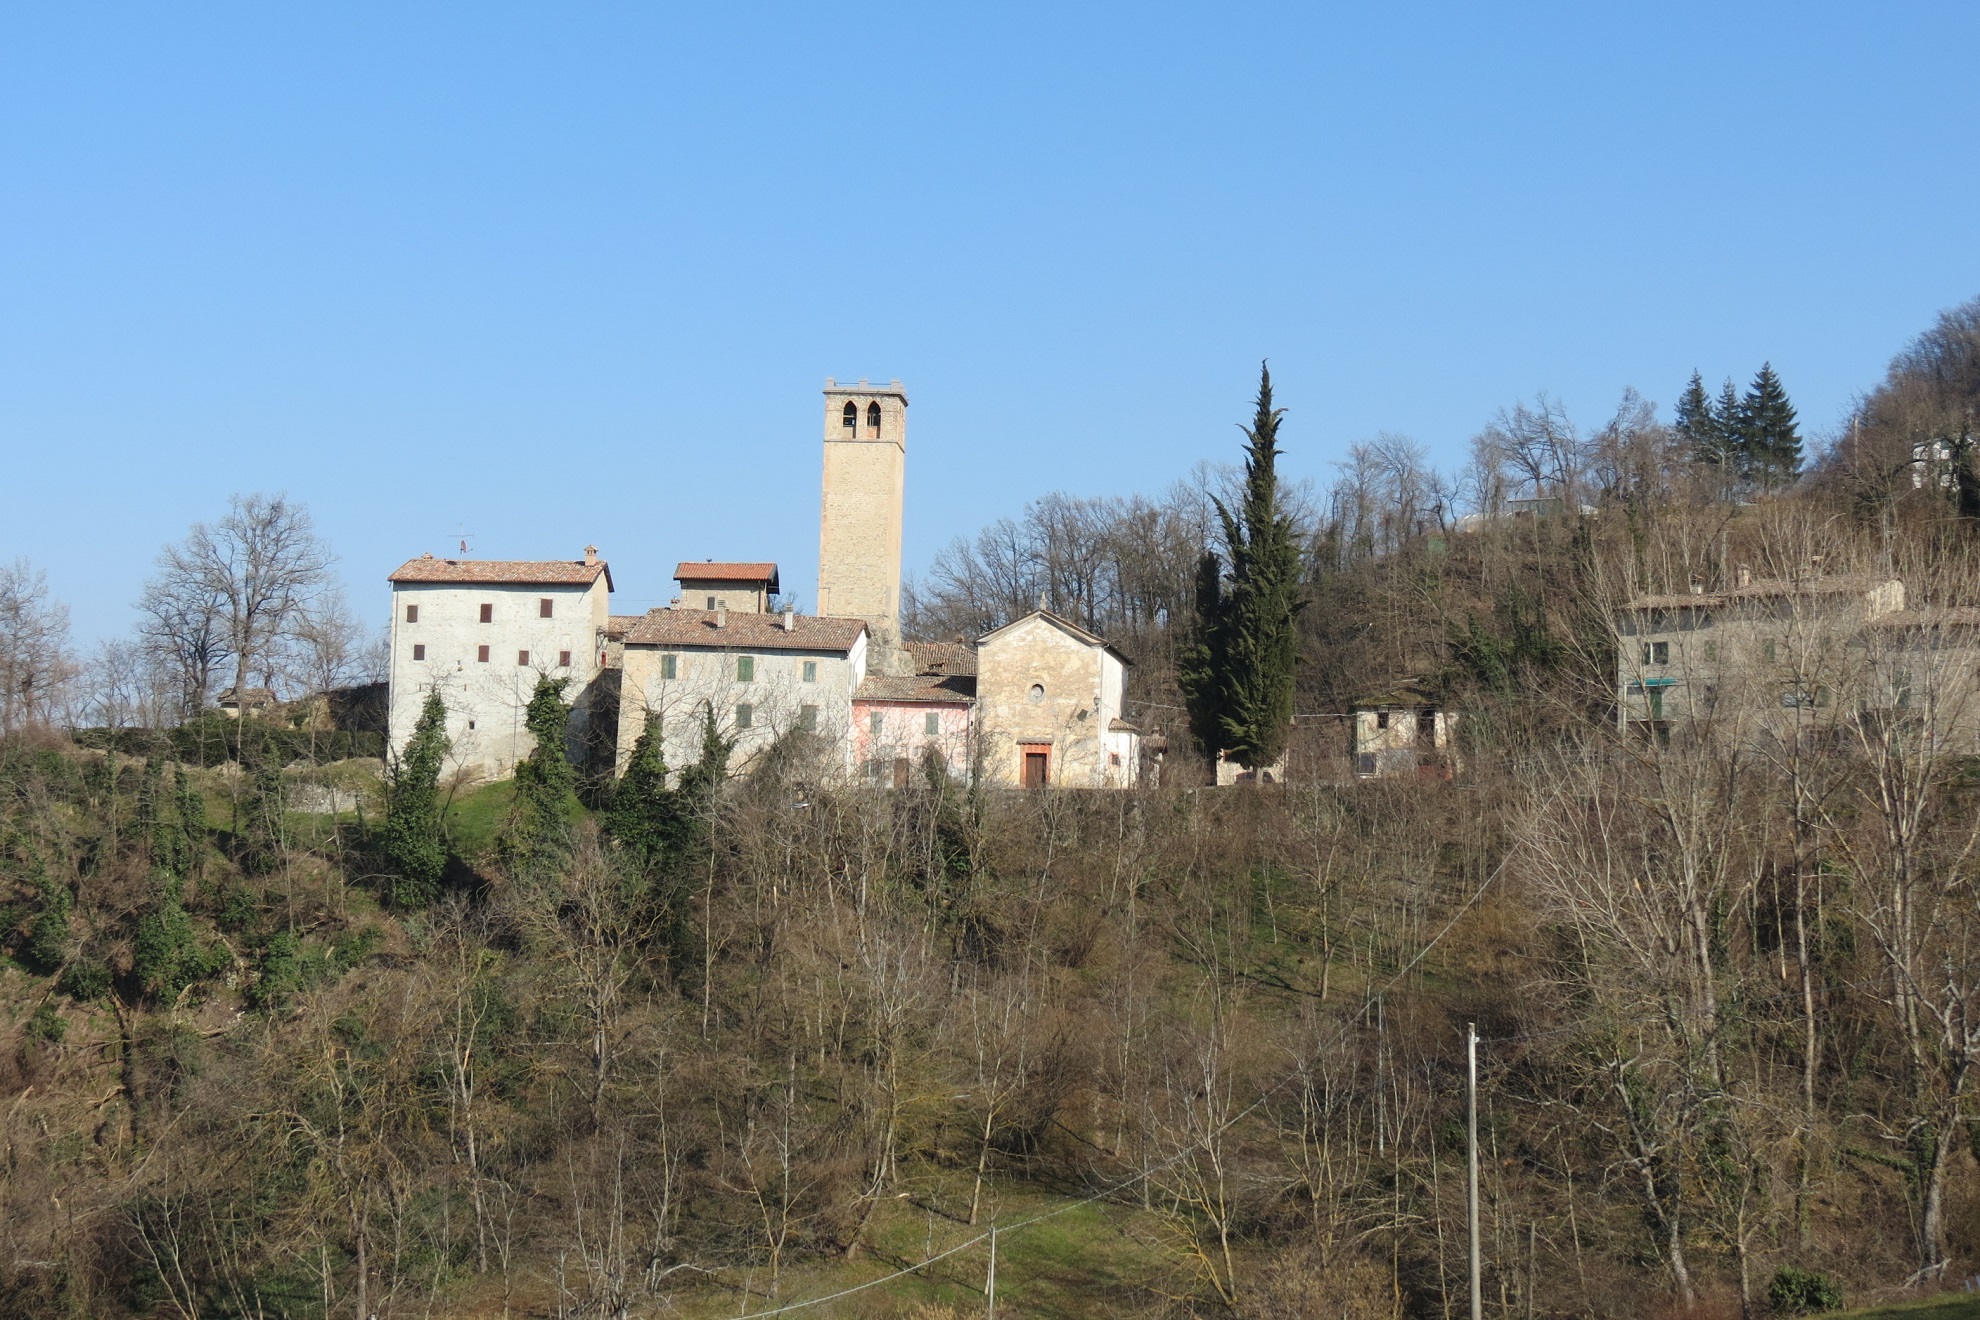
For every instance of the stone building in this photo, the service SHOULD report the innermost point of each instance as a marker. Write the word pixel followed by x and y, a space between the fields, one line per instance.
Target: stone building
pixel 482 632
pixel 712 586
pixel 762 675
pixel 1048 707
pixel 1404 732
pixel 1038 702
pixel 1750 652
pixel 859 522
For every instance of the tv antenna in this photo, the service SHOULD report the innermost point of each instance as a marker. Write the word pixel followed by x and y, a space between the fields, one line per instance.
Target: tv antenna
pixel 463 537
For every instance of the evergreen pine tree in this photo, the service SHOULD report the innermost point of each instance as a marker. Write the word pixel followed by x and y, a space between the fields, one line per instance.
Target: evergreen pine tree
pixel 546 782
pixel 1261 641
pixel 1769 431
pixel 1698 425
pixel 1200 666
pixel 1729 415
pixel 411 845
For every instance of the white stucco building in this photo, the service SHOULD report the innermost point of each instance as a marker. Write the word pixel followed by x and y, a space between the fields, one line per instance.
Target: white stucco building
pixel 482 631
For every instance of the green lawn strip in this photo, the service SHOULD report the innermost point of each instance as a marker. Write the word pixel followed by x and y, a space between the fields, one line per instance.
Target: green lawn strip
pixel 1946 1306
pixel 476 817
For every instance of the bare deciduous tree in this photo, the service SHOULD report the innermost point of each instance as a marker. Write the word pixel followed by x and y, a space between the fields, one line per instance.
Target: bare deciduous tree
pixel 35 667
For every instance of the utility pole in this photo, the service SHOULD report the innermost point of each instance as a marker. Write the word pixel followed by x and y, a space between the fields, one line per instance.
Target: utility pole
pixel 1471 1147
pixel 990 1284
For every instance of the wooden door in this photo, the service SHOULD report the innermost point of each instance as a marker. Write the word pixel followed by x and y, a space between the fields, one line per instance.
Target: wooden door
pixel 1037 766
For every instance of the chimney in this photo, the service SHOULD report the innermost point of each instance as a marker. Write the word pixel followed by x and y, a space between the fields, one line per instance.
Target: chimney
pixel 790 621
pixel 721 618
pixel 1745 576
pixel 591 556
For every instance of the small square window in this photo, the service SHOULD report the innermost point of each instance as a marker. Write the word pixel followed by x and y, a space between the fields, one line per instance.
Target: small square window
pixel 546 608
pixel 412 614
pixel 470 724
pixel 745 715
pixel 419 652
pixel 711 604
pixel 808 718
pixel 1662 652
pixel 811 671
pixel 1381 719
pixel 745 668
pixel 522 657
pixel 481 654
pixel 488 614
pixel 931 723
pixel 669 666
pixel 563 659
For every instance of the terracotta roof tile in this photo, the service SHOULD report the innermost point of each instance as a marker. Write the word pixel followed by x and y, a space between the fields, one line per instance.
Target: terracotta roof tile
pixel 943 657
pixel 744 631
pixel 711 571
pixel 504 572
pixel 953 689
pixel 618 625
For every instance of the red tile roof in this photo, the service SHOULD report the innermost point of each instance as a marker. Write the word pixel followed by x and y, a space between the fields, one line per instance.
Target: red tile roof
pixel 504 572
pixel 950 689
pixel 943 657
pixel 744 631
pixel 710 571
pixel 618 625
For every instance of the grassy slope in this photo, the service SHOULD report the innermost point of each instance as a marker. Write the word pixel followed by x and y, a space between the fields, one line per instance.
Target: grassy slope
pixel 1952 1306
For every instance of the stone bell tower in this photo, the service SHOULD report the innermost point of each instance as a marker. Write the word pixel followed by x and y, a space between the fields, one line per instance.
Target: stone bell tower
pixel 859 526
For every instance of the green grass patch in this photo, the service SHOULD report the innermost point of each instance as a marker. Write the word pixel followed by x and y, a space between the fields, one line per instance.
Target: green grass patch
pixel 475 818
pixel 1947 1306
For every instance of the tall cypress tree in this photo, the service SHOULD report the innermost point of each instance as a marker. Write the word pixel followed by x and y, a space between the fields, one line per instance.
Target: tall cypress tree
pixel 1201 664
pixel 1253 634
pixel 1769 431
pixel 411 845
pixel 645 816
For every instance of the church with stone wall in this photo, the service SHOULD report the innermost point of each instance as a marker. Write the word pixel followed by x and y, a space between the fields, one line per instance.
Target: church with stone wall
pixel 1033 704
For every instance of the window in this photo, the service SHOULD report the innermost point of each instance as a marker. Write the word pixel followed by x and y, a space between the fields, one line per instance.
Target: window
pixel 745 715
pixel 563 659
pixel 875 722
pixel 412 614
pixel 711 605
pixel 522 657
pixel 1711 653
pixel 419 652
pixel 873 420
pixel 745 668
pixel 1037 693
pixel 850 417
pixel 481 654
pixel 470 724
pixel 931 723
pixel 808 718
pixel 488 614
pixel 1646 653
pixel 1364 763
pixel 1767 652
pixel 1662 652
pixel 545 607
pixel 811 671
pixel 669 666
pixel 1381 719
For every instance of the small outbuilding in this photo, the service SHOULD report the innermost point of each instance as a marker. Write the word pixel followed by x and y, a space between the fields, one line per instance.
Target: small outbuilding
pixel 1404 732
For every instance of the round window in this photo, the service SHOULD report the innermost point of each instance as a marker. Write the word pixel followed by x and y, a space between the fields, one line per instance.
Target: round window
pixel 1038 692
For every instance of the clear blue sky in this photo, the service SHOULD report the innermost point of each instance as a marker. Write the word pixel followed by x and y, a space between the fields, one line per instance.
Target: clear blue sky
pixel 553 274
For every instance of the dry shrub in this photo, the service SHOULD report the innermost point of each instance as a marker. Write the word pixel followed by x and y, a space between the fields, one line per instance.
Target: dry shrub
pixel 1311 1285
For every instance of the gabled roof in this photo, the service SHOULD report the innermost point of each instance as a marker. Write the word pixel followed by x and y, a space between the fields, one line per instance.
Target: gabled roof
pixel 708 570
pixel 1410 695
pixel 504 572
pixel 1064 625
pixel 744 630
